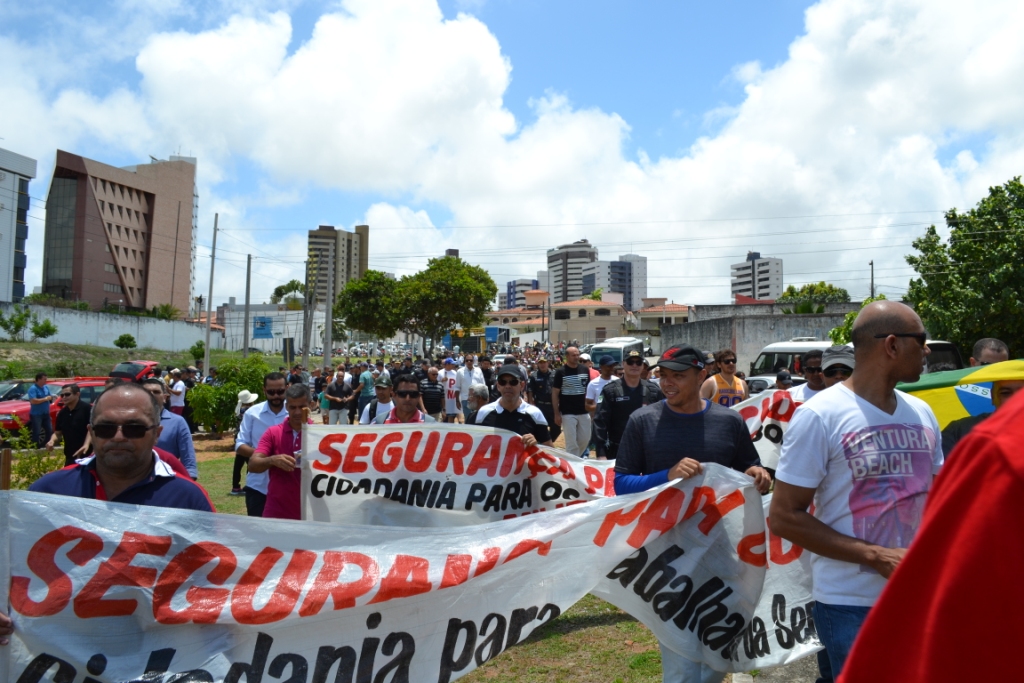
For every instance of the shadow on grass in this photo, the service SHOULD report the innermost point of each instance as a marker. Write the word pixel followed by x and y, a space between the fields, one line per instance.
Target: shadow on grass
pixel 571 622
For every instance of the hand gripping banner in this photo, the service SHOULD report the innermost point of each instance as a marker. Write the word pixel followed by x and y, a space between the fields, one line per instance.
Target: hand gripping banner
pixel 123 593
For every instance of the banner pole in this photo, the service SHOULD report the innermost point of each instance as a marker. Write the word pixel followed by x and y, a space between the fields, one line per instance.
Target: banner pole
pixel 5 469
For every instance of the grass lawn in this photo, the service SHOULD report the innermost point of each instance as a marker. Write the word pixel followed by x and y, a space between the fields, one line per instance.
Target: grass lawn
pixel 593 641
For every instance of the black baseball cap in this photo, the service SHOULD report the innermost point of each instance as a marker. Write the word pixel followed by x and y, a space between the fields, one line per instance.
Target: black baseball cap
pixel 681 357
pixel 784 377
pixel 509 369
pixel 606 360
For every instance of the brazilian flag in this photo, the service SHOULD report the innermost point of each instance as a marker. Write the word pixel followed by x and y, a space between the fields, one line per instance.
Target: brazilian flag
pixel 955 394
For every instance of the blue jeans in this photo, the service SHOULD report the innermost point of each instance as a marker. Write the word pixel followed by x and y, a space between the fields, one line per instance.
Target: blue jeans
pixel 363 402
pixel 42 428
pixel 837 627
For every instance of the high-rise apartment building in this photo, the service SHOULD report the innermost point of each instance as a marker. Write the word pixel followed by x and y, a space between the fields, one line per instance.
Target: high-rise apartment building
pixel 543 281
pixel 515 291
pixel 15 173
pixel 626 276
pixel 758 278
pixel 340 253
pixel 565 269
pixel 121 236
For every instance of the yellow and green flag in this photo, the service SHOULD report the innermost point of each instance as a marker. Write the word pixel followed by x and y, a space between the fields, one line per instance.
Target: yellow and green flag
pixel 955 394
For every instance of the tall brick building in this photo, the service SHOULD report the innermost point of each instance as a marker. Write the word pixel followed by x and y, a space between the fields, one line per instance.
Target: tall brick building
pixel 121 235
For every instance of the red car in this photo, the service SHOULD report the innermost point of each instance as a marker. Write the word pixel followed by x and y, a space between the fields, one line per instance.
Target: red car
pixel 135 370
pixel 12 411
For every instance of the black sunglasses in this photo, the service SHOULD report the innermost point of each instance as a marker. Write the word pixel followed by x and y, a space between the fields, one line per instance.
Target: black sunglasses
pixel 921 337
pixel 107 430
pixel 274 392
pixel 838 370
pixel 728 361
pixel 634 361
pixel 65 394
pixel 812 369
pixel 513 382
pixel 407 394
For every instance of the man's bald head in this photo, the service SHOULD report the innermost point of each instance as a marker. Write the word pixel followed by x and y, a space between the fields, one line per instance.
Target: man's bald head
pixel 883 317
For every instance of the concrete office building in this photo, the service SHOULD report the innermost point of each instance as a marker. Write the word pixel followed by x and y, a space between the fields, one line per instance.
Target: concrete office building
pixel 15 173
pixel 543 281
pixel 515 291
pixel 338 252
pixel 121 236
pixel 565 269
pixel 757 278
pixel 627 276
pixel 502 301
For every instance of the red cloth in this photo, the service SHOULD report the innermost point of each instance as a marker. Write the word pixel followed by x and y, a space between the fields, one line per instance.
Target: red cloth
pixel 173 462
pixel 950 611
pixel 392 418
pixel 284 490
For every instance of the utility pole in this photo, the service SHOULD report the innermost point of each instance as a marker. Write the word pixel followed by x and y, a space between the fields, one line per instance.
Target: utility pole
pixel 245 326
pixel 329 317
pixel 307 316
pixel 209 299
pixel 872 264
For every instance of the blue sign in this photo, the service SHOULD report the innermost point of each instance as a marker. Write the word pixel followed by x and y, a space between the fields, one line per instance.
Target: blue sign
pixel 262 328
pixel 491 334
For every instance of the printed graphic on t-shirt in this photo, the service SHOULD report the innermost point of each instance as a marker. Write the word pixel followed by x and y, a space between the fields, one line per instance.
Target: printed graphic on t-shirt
pixel 891 467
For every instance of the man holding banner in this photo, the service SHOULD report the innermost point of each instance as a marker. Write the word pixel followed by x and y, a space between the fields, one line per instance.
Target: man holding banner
pixel 864 455
pixel 278 454
pixel 704 432
pixel 512 413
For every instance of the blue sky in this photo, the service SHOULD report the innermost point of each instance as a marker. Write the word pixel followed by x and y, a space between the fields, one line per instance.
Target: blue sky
pixel 827 134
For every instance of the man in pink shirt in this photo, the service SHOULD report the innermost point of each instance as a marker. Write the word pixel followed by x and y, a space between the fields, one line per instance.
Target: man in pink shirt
pixel 277 453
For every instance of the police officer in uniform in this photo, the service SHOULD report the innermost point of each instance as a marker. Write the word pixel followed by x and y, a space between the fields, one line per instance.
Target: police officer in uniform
pixel 538 392
pixel 619 400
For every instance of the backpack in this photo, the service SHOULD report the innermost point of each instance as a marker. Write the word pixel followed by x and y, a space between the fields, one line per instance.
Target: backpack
pixel 373 409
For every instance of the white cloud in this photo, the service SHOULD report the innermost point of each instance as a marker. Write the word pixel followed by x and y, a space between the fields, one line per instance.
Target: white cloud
pixel 392 99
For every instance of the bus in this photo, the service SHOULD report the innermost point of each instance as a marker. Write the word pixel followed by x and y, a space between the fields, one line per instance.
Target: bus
pixel 617 348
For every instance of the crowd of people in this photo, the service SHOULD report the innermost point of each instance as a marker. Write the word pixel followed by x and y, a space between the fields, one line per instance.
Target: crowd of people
pixel 857 465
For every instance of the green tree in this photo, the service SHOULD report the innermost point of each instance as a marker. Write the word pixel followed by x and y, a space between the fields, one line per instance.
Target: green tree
pixel 17 322
pixel 166 312
pixel 42 329
pixel 125 341
pixel 844 333
pixel 449 293
pixel 214 405
pixel 595 295
pixel 290 287
pixel 804 308
pixel 815 293
pixel 973 285
pixel 198 350
pixel 371 305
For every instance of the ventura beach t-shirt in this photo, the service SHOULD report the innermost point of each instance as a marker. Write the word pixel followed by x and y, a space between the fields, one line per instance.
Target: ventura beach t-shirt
pixel 872 472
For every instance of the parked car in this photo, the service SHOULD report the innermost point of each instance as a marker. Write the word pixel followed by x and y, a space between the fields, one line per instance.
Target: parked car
pixel 135 370
pixel 13 411
pixel 14 389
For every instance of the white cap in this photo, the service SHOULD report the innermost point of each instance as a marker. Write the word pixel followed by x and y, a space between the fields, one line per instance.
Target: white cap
pixel 584 356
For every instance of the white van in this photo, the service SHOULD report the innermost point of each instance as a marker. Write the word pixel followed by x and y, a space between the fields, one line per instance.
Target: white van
pixel 786 356
pixel 616 347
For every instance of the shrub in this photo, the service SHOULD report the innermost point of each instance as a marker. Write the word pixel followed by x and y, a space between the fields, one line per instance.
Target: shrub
pixel 30 462
pixel 42 330
pixel 213 405
pixel 125 341
pixel 198 350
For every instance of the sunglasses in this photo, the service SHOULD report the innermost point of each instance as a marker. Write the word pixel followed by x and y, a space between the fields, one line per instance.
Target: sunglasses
pixel 728 361
pixel 107 430
pixel 921 337
pixel 634 361
pixel 838 370
pixel 513 382
pixel 812 369
pixel 65 394
pixel 407 394
pixel 274 392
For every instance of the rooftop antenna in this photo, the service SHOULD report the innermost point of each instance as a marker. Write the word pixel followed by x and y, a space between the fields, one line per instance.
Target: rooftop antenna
pixel 153 158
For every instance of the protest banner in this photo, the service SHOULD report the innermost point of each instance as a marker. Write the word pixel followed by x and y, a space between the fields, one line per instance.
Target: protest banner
pixel 768 415
pixel 124 593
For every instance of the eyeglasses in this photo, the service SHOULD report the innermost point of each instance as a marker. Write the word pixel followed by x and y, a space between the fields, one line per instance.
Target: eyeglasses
pixel 65 394
pixel 633 361
pixel 108 430
pixel 274 392
pixel 812 369
pixel 838 370
pixel 407 394
pixel 921 337
pixel 729 361
pixel 512 382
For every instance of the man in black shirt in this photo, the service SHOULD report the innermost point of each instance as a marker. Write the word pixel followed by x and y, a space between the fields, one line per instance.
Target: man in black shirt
pixel 538 392
pixel 339 395
pixel 512 413
pixel 619 400
pixel 432 396
pixel 421 373
pixel 569 401
pixel 72 424
pixel 488 372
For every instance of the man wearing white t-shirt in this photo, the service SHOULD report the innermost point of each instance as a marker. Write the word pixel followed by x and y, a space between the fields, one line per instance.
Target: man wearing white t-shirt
pixel 465 377
pixel 605 366
pixel 177 389
pixel 452 400
pixel 810 368
pixel 864 454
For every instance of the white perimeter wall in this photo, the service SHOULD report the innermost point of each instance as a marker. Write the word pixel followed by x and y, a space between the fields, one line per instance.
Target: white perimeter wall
pixel 101 329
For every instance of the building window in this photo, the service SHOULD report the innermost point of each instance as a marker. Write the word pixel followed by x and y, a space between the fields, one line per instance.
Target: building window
pixel 109 267
pixel 582 313
pixel 562 314
pixel 602 311
pixel 107 287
